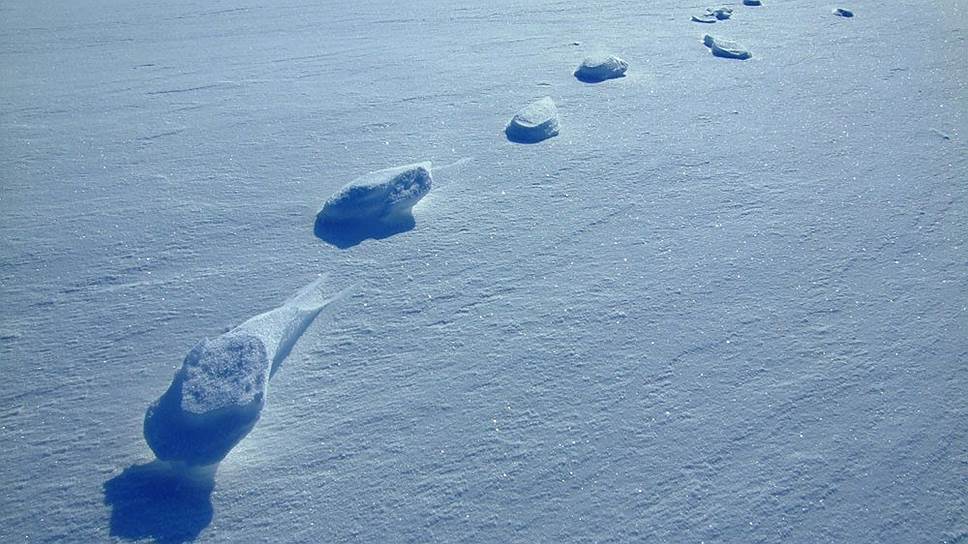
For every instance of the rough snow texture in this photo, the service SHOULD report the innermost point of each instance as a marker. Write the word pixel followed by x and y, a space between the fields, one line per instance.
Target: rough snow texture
pixel 725 305
pixel 218 394
pixel 375 205
pixel 601 67
pixel 213 402
pixel 726 48
pixel 536 122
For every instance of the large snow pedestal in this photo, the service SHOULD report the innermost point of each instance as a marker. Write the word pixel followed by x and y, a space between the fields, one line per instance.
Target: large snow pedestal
pixel 217 395
pixel 376 205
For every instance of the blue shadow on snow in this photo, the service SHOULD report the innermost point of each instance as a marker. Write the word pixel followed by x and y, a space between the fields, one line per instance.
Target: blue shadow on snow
pixel 159 501
pixel 346 234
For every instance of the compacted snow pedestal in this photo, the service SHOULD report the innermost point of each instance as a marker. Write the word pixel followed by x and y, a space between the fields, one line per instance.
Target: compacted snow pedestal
pixel 725 48
pixel 375 205
pixel 218 394
pixel 535 122
pixel 600 68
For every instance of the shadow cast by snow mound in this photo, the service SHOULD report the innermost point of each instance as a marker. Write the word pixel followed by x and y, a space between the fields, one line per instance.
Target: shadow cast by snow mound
pixel 156 500
pixel 346 234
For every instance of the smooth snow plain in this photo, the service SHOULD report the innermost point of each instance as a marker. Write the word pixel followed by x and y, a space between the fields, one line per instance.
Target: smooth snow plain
pixel 727 303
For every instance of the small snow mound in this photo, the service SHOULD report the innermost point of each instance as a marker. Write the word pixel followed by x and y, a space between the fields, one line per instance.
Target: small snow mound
pixel 725 48
pixel 841 12
pixel 376 205
pixel 712 15
pixel 213 402
pixel 599 68
pixel 535 122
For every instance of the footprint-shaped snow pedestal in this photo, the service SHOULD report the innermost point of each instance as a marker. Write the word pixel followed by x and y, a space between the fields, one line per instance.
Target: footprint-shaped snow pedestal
pixel 712 15
pixel 725 48
pixel 218 393
pixel 599 68
pixel 536 122
pixel 376 205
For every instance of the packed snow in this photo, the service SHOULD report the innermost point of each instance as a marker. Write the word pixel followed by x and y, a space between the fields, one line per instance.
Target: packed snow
pixel 727 49
pixel 213 402
pixel 726 303
pixel 376 205
pixel 218 394
pixel 535 122
pixel 599 68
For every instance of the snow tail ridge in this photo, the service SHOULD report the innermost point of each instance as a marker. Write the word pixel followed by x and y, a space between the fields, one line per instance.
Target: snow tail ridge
pixel 281 328
pixel 307 304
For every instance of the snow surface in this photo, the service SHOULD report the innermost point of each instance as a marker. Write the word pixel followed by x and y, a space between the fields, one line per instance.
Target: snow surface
pixel 725 304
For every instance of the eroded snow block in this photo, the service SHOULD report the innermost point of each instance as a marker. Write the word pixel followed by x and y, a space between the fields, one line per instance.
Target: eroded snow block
pixel 376 205
pixel 713 15
pixel 536 122
pixel 599 68
pixel 725 48
pixel 841 12
pixel 213 402
pixel 217 395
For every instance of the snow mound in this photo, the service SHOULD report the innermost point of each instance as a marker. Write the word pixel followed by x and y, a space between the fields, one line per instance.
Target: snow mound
pixel 599 68
pixel 536 122
pixel 725 48
pixel 218 394
pixel 376 205
pixel 713 15
pixel 213 402
pixel 843 12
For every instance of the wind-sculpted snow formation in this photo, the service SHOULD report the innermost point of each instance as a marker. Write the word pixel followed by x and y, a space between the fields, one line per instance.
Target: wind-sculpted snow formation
pixel 535 122
pixel 712 15
pixel 376 205
pixel 599 68
pixel 217 396
pixel 725 48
